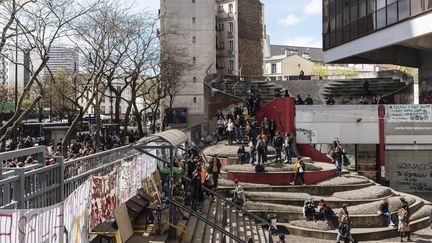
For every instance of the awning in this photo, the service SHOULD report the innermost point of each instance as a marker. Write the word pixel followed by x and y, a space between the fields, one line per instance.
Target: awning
pixel 174 137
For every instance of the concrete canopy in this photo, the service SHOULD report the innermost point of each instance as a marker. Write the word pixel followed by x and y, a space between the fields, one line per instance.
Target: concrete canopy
pixel 174 137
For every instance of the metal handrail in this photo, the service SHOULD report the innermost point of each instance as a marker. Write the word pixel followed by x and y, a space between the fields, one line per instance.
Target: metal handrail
pixel 256 217
pixel 215 226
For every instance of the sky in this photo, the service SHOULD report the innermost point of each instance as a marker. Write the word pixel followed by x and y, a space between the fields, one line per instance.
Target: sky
pixel 288 22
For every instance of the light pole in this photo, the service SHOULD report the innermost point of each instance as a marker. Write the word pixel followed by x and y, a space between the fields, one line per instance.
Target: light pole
pixel 16 76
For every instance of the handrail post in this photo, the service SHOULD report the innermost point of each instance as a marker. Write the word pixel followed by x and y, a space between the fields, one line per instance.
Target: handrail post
pixel 18 191
pixel 225 214
pixel 60 160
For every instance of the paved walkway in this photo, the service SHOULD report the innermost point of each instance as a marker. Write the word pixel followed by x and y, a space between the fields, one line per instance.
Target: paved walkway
pixel 424 235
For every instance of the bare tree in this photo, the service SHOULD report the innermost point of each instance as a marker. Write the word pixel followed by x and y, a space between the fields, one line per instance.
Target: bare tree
pixel 38 24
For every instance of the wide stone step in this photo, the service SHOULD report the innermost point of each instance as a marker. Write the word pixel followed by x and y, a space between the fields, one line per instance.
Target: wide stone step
pixel 200 227
pixel 359 234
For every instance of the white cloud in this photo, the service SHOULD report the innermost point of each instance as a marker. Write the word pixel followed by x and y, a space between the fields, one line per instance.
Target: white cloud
pixel 313 7
pixel 308 41
pixel 290 20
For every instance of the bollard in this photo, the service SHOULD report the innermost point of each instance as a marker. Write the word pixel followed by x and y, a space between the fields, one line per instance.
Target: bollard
pixel 225 214
pixel 272 227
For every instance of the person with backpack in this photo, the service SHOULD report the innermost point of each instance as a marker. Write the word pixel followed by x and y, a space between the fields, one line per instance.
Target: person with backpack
pixel 337 156
pixel 309 209
pixel 344 225
pixel 403 218
pixel 288 145
pixel 278 144
pixel 299 169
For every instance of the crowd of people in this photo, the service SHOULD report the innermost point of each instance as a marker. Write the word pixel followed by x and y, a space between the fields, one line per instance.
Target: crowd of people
pixel 83 145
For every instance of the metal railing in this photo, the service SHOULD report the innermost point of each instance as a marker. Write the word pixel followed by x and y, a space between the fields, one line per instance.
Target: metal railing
pixel 205 220
pixel 41 186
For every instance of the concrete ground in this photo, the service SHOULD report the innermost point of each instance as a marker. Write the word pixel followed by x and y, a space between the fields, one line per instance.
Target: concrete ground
pixel 424 235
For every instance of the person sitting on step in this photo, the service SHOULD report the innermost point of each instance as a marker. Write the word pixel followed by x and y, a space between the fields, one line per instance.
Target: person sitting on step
pixel 309 209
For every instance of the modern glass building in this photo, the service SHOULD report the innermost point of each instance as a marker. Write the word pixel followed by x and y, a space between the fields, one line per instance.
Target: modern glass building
pixel 381 32
pixel 346 20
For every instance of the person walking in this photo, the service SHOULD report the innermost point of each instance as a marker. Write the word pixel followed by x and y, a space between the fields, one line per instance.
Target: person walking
pixel 384 211
pixel 299 169
pixel 344 225
pixel 337 156
pixel 288 148
pixel 238 129
pixel 278 144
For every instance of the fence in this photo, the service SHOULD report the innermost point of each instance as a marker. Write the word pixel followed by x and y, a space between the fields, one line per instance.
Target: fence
pixel 41 186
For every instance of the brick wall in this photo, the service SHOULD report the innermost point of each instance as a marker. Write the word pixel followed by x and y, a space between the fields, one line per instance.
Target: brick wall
pixel 251 35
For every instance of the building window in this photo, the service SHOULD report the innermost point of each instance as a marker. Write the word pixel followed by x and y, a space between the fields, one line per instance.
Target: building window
pixel 273 68
pixel 194 79
pixel 231 64
pixel 193 60
pixel 220 8
pixel 193 39
pixel 231 26
pixel 220 26
pixel 231 45
pixel 194 99
pixel 193 1
pixel 230 8
pixel 193 19
pixel 221 45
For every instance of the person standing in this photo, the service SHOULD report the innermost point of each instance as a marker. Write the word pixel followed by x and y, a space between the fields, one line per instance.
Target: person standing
pixel 299 100
pixel 221 127
pixel 272 129
pixel 230 130
pixel 260 148
pixel 288 148
pixel 278 144
pixel 404 215
pixel 241 153
pixel 217 165
pixel 196 189
pixel 251 152
pixel 384 211
pixel 238 129
pixel 299 169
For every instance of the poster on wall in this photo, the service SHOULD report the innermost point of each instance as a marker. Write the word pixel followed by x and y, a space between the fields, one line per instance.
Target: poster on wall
pixel 367 160
pixel 410 113
pixel 76 214
pixel 32 225
pixel 103 198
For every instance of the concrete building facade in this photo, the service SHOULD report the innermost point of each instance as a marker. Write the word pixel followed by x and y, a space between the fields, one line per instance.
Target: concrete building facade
pixel 390 32
pixel 63 58
pixel 216 36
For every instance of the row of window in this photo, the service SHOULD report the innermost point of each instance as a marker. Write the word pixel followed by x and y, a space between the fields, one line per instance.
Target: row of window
pixel 221 27
pixel 346 20
pixel 221 63
pixel 221 45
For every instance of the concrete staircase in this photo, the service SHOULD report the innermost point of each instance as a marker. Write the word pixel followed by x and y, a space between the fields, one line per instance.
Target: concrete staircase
pixel 237 223
pixel 366 225
pixel 267 90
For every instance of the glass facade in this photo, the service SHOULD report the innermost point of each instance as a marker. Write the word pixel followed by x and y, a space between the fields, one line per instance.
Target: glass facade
pixel 346 20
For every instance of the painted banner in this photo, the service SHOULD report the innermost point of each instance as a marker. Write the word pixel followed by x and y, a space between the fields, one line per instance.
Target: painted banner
pixel 410 113
pixel 128 173
pixel 103 198
pixel 32 225
pixel 76 214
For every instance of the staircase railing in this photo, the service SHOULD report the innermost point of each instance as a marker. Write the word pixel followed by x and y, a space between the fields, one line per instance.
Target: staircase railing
pixel 205 220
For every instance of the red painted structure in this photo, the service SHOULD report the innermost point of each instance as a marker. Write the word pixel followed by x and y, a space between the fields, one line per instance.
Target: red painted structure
pixel 309 151
pixel 281 178
pixel 282 111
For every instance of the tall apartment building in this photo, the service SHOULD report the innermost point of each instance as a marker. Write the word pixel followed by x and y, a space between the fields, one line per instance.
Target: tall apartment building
pixel 63 58
pixel 10 73
pixel 217 36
